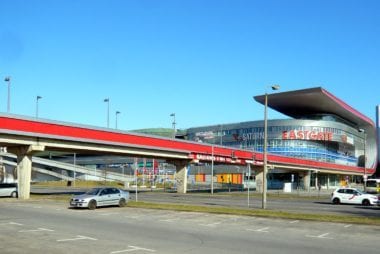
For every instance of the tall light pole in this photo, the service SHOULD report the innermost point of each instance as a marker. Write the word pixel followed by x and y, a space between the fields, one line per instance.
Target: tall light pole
pixel 108 111
pixel 265 152
pixel 116 114
pixel 37 99
pixel 365 160
pixel 173 124
pixel 8 80
pixel 212 170
pixel 221 134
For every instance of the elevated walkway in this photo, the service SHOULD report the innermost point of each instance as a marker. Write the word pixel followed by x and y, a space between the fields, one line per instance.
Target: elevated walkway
pixel 40 165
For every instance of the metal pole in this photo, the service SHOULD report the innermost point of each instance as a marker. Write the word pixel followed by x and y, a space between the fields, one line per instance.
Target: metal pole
pixel 264 197
pixel 212 170
pixel 37 99
pixel 117 113
pixel 173 124
pixel 75 165
pixel 221 134
pixel 365 162
pixel 8 79
pixel 248 182
pixel 265 152
pixel 108 111
pixel 136 178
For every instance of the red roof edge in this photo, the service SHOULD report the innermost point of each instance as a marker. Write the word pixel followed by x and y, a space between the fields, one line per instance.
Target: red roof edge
pixel 348 107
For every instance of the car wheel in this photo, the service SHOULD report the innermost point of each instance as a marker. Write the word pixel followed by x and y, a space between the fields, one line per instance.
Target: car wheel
pixel 122 202
pixel 336 201
pixel 92 205
pixel 14 194
pixel 366 202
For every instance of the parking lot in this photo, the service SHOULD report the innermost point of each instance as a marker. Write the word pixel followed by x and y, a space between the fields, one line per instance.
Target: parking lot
pixel 50 227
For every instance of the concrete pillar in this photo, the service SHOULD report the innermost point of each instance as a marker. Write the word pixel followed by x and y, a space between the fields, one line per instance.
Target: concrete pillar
pixel 306 180
pixel 259 181
pixel 181 175
pixel 24 167
pixel 328 181
pixel 24 172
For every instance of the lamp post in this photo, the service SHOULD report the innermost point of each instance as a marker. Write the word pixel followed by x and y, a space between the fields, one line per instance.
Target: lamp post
pixel 108 111
pixel 212 170
pixel 116 114
pixel 365 159
pixel 173 124
pixel 221 134
pixel 37 99
pixel 265 152
pixel 8 80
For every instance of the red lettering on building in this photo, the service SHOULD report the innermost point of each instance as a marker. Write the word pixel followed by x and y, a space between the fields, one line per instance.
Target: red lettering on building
pixel 307 135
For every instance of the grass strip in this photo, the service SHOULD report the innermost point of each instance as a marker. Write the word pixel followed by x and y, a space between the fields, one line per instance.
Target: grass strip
pixel 258 212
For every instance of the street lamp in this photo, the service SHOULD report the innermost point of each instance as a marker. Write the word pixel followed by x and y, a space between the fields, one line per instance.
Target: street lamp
pixel 8 80
pixel 108 111
pixel 37 99
pixel 365 159
pixel 116 114
pixel 173 124
pixel 265 152
pixel 212 170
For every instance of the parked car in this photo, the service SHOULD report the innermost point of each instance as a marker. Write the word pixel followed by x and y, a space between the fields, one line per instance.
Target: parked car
pixel 8 190
pixel 373 186
pixel 97 197
pixel 353 196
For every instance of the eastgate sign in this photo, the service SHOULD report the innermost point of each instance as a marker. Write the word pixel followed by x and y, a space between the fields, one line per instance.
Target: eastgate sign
pixel 307 135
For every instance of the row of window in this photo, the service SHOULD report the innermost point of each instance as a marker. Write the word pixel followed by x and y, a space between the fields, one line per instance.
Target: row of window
pixel 277 129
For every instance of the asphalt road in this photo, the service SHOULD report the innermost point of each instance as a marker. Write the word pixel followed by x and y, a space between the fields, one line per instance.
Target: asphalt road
pixel 303 203
pixel 297 204
pixel 50 227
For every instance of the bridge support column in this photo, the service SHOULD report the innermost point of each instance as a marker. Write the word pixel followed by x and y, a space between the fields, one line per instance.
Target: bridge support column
pixel 181 175
pixel 306 180
pixel 24 168
pixel 259 181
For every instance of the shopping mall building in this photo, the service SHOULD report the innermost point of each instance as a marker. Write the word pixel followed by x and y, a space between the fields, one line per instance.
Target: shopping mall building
pixel 320 128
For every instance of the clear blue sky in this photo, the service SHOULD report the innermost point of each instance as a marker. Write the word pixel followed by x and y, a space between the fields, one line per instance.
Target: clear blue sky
pixel 202 59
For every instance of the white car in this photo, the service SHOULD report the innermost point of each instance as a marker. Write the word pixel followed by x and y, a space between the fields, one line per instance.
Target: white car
pixel 8 190
pixel 96 197
pixel 353 196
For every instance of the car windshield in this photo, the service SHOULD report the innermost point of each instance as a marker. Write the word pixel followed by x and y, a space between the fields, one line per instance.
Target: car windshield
pixel 93 191
pixel 359 192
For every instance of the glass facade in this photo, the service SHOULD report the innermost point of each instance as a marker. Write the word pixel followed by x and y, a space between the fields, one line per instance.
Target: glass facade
pixel 320 140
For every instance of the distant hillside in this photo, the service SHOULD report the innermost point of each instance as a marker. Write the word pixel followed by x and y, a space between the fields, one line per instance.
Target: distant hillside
pixel 163 132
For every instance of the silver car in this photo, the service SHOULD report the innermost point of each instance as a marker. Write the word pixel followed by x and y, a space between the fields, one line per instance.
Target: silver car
pixel 8 190
pixel 104 196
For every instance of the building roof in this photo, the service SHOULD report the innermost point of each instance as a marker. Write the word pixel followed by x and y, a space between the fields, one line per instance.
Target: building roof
pixel 316 100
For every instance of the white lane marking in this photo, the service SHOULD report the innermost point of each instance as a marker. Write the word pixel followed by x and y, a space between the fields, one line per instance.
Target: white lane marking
pixel 348 225
pixel 322 236
pixel 169 220
pixel 133 217
pixel 15 223
pixel 108 214
pixel 78 237
pixel 36 230
pixel 211 224
pixel 262 230
pixel 132 248
pixel 11 223
pixel 295 221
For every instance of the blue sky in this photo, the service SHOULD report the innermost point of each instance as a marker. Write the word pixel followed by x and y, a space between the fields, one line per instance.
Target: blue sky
pixel 202 59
